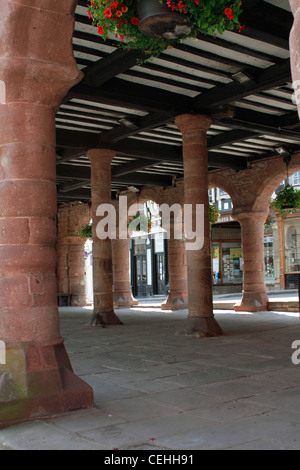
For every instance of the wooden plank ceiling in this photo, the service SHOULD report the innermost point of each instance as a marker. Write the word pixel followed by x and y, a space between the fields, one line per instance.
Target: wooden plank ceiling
pixel 242 80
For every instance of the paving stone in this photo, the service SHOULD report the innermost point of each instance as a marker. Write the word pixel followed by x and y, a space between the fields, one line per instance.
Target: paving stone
pixel 155 389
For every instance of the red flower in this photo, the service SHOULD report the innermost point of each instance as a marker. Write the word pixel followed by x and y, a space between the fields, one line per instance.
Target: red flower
pixel 242 28
pixel 228 11
pixel 107 12
pixel 100 30
pixel 134 21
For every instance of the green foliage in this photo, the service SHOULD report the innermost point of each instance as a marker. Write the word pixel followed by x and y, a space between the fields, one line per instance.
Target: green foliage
pixel 287 201
pixel 143 225
pixel 214 214
pixel 86 231
pixel 120 19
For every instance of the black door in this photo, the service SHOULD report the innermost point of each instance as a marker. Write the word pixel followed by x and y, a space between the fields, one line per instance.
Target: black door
pixel 141 275
pixel 160 274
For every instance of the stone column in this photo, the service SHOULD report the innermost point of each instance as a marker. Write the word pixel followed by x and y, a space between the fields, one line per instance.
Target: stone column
pixel 294 50
pixel 178 295
pixel 255 296
pixel 102 250
pixel 121 274
pixel 37 379
pixel 76 270
pixel 201 321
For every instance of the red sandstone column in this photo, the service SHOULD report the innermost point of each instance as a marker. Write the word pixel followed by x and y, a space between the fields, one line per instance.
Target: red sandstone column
pixel 255 296
pixel 76 270
pixel 102 251
pixel 201 320
pixel 178 295
pixel 295 49
pixel 121 274
pixel 37 379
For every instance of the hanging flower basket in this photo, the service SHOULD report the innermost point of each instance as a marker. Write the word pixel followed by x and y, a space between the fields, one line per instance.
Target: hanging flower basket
pixel 214 214
pixel 154 25
pixel 287 201
pixel 143 225
pixel 86 231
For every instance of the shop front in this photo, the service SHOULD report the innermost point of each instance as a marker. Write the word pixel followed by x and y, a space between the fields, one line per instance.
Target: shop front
pixel 282 252
pixel 289 254
pixel 227 257
pixel 149 265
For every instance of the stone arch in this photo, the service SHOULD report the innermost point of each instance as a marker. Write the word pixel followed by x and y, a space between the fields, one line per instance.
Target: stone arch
pixel 275 172
pixel 151 193
pixel 216 180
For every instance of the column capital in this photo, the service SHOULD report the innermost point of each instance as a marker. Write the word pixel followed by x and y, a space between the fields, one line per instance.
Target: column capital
pixel 31 72
pixel 100 155
pixel 252 217
pixel 294 6
pixel 192 122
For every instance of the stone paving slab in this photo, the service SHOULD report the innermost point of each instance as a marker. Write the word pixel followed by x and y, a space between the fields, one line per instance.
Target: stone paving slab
pixel 157 390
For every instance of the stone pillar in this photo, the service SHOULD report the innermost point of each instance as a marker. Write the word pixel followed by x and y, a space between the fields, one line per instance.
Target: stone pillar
pixel 121 274
pixel 255 296
pixel 178 295
pixel 102 250
pixel 295 50
pixel 201 321
pixel 76 270
pixel 37 379
pixel 70 251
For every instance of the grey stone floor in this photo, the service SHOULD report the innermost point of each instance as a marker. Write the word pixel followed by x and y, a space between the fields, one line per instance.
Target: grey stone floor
pixel 155 389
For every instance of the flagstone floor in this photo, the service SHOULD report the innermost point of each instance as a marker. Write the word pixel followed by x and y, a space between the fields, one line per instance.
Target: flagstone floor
pixel 156 389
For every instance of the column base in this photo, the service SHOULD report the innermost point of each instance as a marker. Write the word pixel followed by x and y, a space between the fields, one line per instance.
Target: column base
pixel 202 327
pixel 253 302
pixel 124 299
pixel 78 300
pixel 37 381
pixel 175 302
pixel 104 319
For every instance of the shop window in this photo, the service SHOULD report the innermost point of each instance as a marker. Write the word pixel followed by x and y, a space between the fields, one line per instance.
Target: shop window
pixel 227 256
pixel 216 263
pixel 232 259
pixel 292 245
pixel 269 259
pixel 231 233
pixel 139 246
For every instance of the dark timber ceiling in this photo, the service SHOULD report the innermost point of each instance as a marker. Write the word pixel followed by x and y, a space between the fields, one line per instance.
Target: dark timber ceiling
pixel 131 108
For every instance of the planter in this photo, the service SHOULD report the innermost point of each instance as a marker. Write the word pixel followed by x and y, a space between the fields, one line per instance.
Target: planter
pixel 285 211
pixel 158 21
pixel 287 200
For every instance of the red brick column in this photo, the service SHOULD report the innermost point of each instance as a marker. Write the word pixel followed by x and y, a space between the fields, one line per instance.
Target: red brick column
pixel 178 293
pixel 37 379
pixel 122 290
pixel 102 250
pixel 255 296
pixel 201 320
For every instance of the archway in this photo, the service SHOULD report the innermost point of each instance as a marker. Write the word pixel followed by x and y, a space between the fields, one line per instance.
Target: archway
pixel 226 245
pixel 283 235
pixel 149 254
